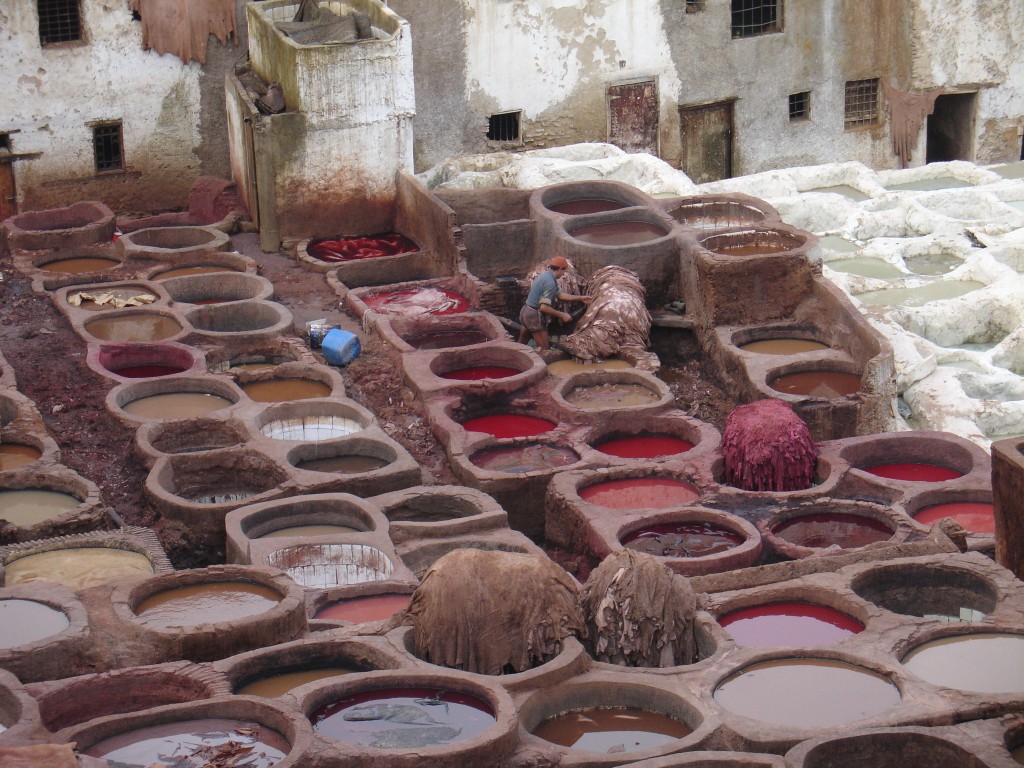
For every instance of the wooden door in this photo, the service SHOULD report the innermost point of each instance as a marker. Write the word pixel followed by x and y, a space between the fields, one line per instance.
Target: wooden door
pixel 8 196
pixel 633 116
pixel 705 133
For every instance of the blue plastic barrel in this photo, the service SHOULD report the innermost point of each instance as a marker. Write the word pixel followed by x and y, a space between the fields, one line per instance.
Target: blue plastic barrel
pixel 340 347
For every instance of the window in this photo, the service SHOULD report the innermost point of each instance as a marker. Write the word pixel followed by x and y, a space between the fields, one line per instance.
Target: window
pixel 107 147
pixel 861 103
pixel 59 21
pixel 755 17
pixel 693 6
pixel 5 142
pixel 799 106
pixel 503 126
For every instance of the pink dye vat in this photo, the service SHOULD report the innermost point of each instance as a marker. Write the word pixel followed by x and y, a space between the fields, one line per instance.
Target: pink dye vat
pixel 504 425
pixel 481 372
pixel 585 205
pixel 151 371
pixel 695 538
pixel 352 248
pixel 424 301
pixel 515 459
pixel 825 529
pixel 973 516
pixel 644 446
pixel 922 473
pixel 639 493
pixel 362 609
pixel 788 624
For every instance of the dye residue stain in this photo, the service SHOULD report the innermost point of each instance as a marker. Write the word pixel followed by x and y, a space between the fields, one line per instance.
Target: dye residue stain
pixel 783 346
pixel 176 405
pixel 366 247
pixel 827 385
pixel 80 265
pixel 403 718
pixel 516 459
pixel 134 327
pixel 277 685
pixel 206 604
pixel 26 621
pixel 285 390
pixel 424 301
pixel 362 609
pixel 618 729
pixel 77 567
pixel 644 446
pixel 506 425
pixel 569 367
pixel 973 516
pixel 147 371
pixel 584 205
pixel 921 473
pixel 31 506
pixel 480 372
pixel 351 464
pixel 14 455
pixel 695 538
pixel 825 529
pixel 984 662
pixel 612 395
pixel 194 744
pixel 619 233
pixel 639 493
pixel 788 624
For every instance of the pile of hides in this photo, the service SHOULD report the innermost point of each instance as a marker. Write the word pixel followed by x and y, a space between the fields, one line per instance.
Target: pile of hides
pixel 352 248
pixel 767 447
pixel 617 319
pixel 182 27
pixel 493 612
pixel 314 24
pixel 639 612
pixel 569 281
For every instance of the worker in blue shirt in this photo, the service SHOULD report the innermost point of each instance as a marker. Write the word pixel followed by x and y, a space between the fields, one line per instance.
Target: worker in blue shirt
pixel 539 308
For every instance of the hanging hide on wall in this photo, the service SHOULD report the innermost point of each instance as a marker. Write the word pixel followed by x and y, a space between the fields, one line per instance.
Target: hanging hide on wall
pixel 767 447
pixel 493 612
pixel 183 27
pixel 907 112
pixel 616 320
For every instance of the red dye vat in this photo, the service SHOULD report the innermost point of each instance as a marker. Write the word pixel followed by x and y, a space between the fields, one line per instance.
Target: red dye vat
pixel 147 371
pixel 352 248
pixel 825 529
pixel 639 493
pixel 481 372
pixel 362 609
pixel 644 446
pixel 696 538
pixel 504 425
pixel 424 301
pixel 973 516
pixel 788 624
pixel 922 473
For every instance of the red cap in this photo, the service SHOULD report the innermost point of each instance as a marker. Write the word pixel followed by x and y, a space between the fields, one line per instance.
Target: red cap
pixel 559 262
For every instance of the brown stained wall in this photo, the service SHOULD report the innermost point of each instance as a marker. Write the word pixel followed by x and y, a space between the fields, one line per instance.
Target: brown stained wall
pixel 427 221
pixel 1008 499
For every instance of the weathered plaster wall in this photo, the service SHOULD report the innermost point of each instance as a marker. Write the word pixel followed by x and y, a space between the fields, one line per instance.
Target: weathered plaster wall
pixel 172 115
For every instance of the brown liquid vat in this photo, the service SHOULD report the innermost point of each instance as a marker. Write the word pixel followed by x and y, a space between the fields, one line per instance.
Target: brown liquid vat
pixel 81 223
pixel 109 359
pixel 610 390
pixel 547 200
pixel 708 213
pixel 427 370
pixel 919 589
pixel 163 243
pixel 134 325
pixel 366 464
pixel 222 394
pixel 203 263
pixel 67 503
pixel 808 529
pixel 888 748
pixel 50 654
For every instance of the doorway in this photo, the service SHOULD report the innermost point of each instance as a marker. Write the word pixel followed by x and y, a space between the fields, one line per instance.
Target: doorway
pixel 951 128
pixel 8 193
pixel 633 116
pixel 705 135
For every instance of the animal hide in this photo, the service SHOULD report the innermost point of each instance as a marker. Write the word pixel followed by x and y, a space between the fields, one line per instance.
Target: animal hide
pixel 617 319
pixel 492 612
pixel 639 613
pixel 183 27
pixel 907 112
pixel 767 447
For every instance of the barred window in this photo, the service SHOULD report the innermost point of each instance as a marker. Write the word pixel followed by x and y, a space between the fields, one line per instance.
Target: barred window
pixel 799 106
pixel 756 17
pixel 60 21
pixel 693 6
pixel 861 103
pixel 107 147
pixel 503 126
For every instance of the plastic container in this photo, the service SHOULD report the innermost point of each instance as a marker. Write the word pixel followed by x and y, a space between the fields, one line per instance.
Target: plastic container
pixel 340 347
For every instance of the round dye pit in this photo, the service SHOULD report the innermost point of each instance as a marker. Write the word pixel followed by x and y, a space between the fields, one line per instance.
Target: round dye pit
pixel 211 603
pixel 507 425
pixel 619 233
pixel 480 372
pixel 783 346
pixel 176 405
pixel 845 190
pixel 706 214
pixel 362 609
pixel 198 269
pixel 933 263
pixel 584 205
pixel 135 327
pixel 285 390
pixel 643 446
pixel 639 493
pixel 931 592
pixel 837 244
pixel 31 506
pixel 14 455
pixel 445 339
pixel 866 266
pixel 193 743
pixel 424 301
pixel 366 247
pixel 788 624
pixel 349 464
pixel 78 567
pixel 99 299
pixel 26 621
pixel 79 265
pixel 569 367
pixel 822 384
pixel 825 529
pixel 403 718
pixel 312 427
pixel 516 459
pixel 755 242
pixel 614 729
pixel 927 185
pixel 973 516
pixel 920 295
pixel 807 693
pixel 148 371
pixel 278 685
pixel 915 472
pixel 307 531
pixel 982 662
pixel 694 538
pixel 597 397
pixel 320 566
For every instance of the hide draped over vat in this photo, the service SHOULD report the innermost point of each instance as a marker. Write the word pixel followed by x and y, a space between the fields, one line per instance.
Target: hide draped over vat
pixel 767 447
pixel 617 319
pixel 491 612
pixel 639 612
